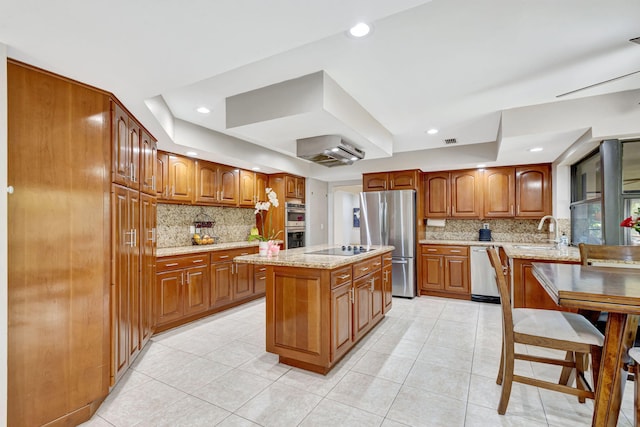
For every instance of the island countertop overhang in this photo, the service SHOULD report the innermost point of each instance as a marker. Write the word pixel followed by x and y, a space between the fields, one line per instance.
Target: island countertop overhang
pixel 300 257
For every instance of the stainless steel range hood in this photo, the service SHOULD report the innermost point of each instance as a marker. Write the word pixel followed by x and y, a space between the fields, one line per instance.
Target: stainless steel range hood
pixel 328 150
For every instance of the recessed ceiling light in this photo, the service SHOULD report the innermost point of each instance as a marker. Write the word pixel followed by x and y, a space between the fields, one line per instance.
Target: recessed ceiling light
pixel 359 30
pixel 535 149
pixel 432 131
pixel 203 110
pixel 335 149
pixel 255 168
pixel 191 153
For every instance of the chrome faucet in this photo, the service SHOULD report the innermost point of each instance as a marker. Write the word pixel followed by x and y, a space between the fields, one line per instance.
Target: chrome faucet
pixel 556 240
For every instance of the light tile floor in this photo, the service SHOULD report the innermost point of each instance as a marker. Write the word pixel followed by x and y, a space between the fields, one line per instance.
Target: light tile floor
pixel 430 362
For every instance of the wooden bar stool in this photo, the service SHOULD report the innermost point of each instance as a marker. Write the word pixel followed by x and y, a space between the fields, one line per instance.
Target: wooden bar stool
pixel 568 332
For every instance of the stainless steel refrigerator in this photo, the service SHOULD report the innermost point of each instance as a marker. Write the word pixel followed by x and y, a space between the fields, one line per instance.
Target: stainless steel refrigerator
pixel 389 218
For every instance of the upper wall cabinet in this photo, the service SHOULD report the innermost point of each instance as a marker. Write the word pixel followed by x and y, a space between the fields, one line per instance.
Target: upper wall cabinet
pixel 533 191
pixel 294 187
pixel 148 163
pixel 216 184
pixel 396 180
pixel 175 182
pixel 455 194
pixel 253 187
pixel 501 192
pixel 125 169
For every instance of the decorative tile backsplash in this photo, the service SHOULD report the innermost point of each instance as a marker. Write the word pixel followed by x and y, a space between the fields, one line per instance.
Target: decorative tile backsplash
pixel 231 224
pixel 502 230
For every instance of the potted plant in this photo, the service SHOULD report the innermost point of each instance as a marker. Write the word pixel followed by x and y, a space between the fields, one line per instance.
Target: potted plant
pixel 269 234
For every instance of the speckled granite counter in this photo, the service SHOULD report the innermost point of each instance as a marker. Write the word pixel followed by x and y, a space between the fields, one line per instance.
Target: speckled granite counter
pixel 185 250
pixel 300 258
pixel 539 251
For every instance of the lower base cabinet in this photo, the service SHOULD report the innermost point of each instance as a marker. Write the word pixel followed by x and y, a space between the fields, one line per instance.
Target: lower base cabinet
pixel 315 316
pixel 192 286
pixel 527 291
pixel 182 287
pixel 444 271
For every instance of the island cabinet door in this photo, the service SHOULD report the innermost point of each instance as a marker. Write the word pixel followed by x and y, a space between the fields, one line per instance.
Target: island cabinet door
pixel 341 320
pixel 362 306
pixel 221 284
pixel 376 296
pixel 387 283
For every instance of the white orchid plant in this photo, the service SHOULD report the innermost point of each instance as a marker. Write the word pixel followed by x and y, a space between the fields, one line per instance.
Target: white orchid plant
pixel 268 233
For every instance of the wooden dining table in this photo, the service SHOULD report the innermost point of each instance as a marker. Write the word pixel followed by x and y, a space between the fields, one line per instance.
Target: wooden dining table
pixel 614 290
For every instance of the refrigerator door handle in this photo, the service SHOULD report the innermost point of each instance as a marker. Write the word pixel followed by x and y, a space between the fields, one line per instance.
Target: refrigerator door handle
pixel 385 237
pixel 399 261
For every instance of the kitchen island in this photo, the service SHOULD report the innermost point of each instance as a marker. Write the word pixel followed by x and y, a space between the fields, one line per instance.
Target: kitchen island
pixel 319 306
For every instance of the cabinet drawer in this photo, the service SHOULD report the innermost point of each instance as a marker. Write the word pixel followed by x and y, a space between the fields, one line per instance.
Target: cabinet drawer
pixel 174 263
pixel 367 266
pixel 340 277
pixel 229 255
pixel 445 250
pixel 260 283
pixel 386 259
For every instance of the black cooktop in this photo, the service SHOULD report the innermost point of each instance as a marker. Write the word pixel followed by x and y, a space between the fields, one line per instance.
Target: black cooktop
pixel 343 251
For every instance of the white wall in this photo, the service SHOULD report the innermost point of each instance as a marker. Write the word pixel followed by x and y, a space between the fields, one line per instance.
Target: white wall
pixel 343 204
pixel 317 228
pixel 3 233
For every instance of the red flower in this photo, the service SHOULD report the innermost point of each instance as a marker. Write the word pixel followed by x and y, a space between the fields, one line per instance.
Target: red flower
pixel 628 222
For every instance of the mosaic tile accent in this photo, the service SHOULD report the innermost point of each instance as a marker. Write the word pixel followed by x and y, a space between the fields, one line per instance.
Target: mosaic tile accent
pixel 502 230
pixel 231 224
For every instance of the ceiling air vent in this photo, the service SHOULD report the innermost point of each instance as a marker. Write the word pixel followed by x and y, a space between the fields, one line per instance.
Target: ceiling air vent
pixel 450 141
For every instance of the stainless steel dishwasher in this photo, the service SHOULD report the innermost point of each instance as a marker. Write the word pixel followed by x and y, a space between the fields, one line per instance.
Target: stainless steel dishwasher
pixel 483 277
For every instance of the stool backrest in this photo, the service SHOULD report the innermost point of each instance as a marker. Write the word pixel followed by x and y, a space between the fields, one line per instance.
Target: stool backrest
pixel 608 253
pixel 503 289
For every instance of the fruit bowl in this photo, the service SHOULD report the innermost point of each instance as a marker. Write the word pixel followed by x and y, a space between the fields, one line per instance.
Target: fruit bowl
pixel 196 239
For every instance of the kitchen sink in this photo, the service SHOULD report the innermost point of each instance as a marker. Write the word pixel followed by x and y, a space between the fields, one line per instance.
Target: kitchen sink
pixel 535 247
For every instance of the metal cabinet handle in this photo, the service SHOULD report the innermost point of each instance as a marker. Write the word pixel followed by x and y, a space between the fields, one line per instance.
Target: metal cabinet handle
pixel 171 264
pixel 187 277
pixel 223 256
pixel 431 250
pixel 195 261
pixel 455 251
pixel 364 269
pixel 351 295
pixel 181 279
pixel 372 282
pixel 153 182
pixel 377 264
pixel 344 276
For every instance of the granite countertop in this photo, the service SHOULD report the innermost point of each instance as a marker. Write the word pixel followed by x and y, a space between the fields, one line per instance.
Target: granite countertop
pixel 300 258
pixel 537 251
pixel 196 249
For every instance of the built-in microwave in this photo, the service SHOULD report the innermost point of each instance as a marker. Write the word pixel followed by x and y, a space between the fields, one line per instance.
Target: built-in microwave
pixel 295 215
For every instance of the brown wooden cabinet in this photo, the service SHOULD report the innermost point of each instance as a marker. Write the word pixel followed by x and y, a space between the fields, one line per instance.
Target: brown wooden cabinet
pixel 162 174
pixel 456 194
pixel 148 210
pixel 394 180
pixel 294 187
pixel 315 316
pixel 253 188
pixel 533 191
pixel 125 293
pixel 437 195
pixel 444 271
pixel 230 282
pixel 378 181
pixel 148 163
pixel 499 192
pixel 387 285
pixel 527 291
pixel 125 168
pixel 466 194
pixel 259 279
pixel 178 186
pixel 216 184
pixel 182 287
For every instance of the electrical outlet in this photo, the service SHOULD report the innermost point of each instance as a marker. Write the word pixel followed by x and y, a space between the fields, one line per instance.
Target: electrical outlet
pixel 485 226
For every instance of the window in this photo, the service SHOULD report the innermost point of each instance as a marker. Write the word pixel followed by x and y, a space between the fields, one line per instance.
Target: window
pixel 631 166
pixel 587 181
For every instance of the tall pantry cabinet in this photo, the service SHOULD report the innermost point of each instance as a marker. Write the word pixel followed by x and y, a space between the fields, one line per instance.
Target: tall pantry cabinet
pixel 72 229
